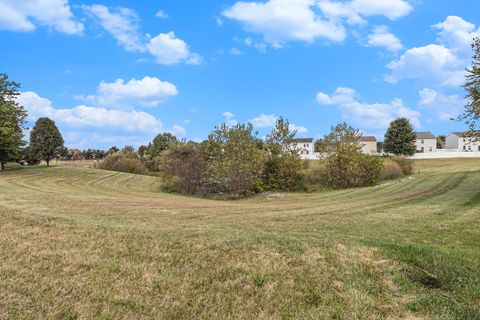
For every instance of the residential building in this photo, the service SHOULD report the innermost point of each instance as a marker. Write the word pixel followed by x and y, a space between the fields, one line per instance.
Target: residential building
pixel 425 142
pixel 305 146
pixel 368 144
pixel 463 141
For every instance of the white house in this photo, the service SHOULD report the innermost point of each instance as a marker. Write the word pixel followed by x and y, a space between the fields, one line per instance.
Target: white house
pixel 305 147
pixel 463 141
pixel 426 142
pixel 368 144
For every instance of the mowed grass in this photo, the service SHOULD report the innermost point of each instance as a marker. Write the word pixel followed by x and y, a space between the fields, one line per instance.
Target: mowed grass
pixel 84 243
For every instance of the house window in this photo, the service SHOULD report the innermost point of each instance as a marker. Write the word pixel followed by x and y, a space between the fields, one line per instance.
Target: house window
pixel 430 149
pixel 464 148
pixel 423 141
pixel 423 149
pixel 307 152
pixel 478 148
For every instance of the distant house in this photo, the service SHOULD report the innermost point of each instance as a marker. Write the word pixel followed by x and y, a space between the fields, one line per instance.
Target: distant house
pixel 463 141
pixel 425 142
pixel 368 144
pixel 305 146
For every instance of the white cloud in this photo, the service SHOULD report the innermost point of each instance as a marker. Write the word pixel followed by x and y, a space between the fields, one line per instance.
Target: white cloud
pixel 122 24
pixel 178 131
pixel 229 118
pixel 445 107
pixel 149 91
pixel 382 37
pixel 264 120
pixel 392 9
pixel 84 116
pixel 433 62
pixel 168 49
pixel 456 34
pixel 299 129
pixel 26 15
pixel 281 21
pixel 365 115
pixel 235 52
pixel 161 14
pixel 442 63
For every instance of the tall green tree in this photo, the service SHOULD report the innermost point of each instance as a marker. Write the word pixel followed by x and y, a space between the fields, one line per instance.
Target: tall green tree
pixel 160 143
pixel 12 121
pixel 400 138
pixel 234 161
pixel 471 114
pixel 283 166
pixel 46 140
pixel 344 165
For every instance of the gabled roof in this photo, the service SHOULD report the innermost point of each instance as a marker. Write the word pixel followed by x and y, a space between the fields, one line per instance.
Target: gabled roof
pixel 303 140
pixel 425 135
pixel 467 134
pixel 367 139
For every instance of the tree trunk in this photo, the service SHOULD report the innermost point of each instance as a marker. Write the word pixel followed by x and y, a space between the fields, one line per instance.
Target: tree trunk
pixel 48 162
pixel 2 165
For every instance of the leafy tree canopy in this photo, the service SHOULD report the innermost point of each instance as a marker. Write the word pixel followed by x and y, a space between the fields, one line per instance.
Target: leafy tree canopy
pixel 160 143
pixel 12 120
pixel 400 138
pixel 472 109
pixel 46 140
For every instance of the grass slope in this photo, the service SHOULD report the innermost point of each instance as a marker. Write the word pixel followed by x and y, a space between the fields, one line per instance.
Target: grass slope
pixel 79 243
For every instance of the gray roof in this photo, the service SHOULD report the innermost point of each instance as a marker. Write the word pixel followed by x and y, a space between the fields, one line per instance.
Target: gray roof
pixel 367 139
pixel 425 135
pixel 303 140
pixel 467 134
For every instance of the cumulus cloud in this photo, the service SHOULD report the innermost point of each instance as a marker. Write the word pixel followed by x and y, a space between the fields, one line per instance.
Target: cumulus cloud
pixel 230 118
pixel 26 15
pixel 85 116
pixel 367 115
pixel 149 91
pixel 392 9
pixel 178 130
pixel 382 37
pixel 168 49
pixel 441 63
pixel 298 129
pixel 445 107
pixel 281 21
pixel 264 121
pixel 121 23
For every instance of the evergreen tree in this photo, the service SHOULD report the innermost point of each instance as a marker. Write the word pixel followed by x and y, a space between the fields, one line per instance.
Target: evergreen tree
pixel 400 138
pixel 12 121
pixel 46 140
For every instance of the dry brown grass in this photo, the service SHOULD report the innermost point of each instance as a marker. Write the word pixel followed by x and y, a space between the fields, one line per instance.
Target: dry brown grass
pixel 77 243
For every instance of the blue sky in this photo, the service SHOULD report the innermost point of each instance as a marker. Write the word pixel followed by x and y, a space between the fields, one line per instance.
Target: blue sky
pixel 119 72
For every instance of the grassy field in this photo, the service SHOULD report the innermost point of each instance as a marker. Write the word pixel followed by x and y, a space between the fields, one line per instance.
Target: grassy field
pixel 84 243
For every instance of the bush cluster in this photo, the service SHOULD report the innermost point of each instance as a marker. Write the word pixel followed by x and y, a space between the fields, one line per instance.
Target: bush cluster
pixel 124 162
pixel 234 163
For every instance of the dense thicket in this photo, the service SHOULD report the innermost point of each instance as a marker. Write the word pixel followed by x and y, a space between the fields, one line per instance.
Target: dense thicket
pixel 344 165
pixel 233 162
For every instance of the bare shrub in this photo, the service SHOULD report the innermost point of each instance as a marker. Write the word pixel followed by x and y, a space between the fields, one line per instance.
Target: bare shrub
pixel 122 163
pixel 392 170
pixel 405 164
